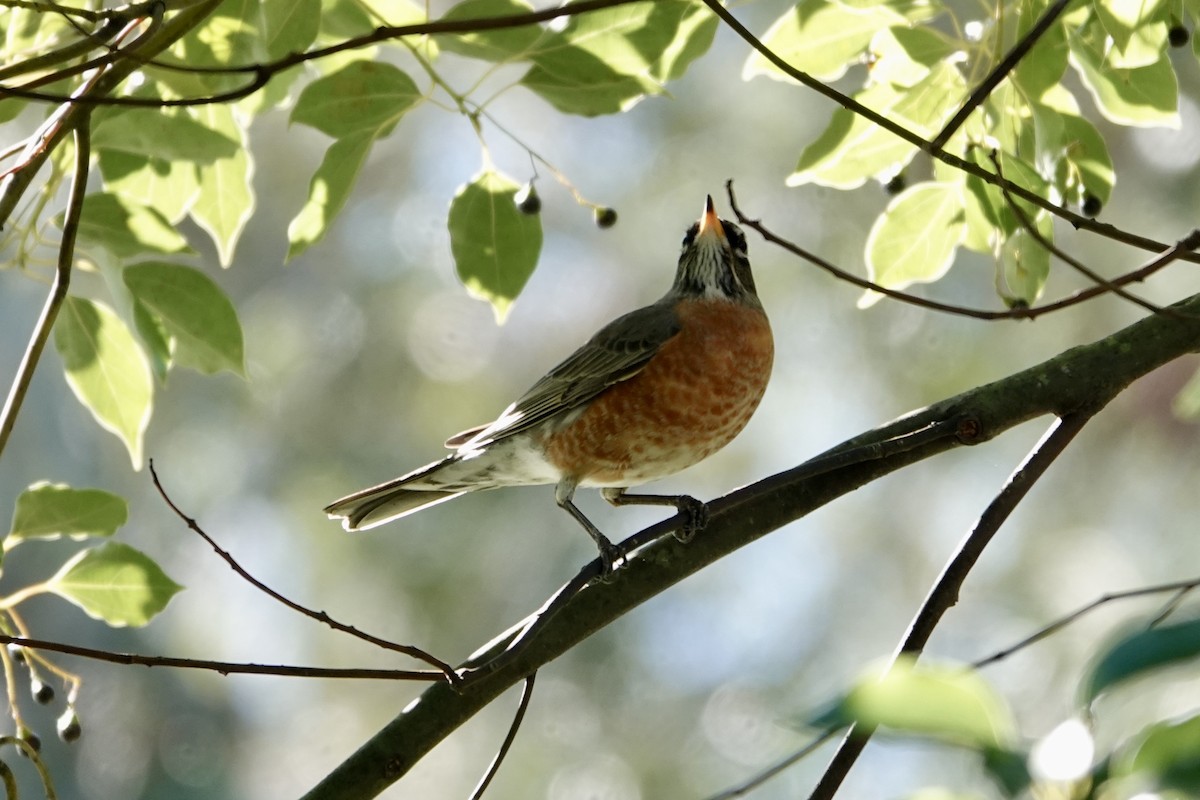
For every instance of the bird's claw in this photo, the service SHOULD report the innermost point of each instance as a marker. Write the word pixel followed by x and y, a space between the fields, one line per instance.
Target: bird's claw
pixel 610 554
pixel 695 516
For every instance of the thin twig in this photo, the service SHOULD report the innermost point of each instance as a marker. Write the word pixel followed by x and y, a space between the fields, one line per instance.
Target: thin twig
pixel 1000 72
pixel 944 593
pixel 79 47
pixel 319 616
pixel 1178 587
pixel 494 767
pixel 224 667
pixel 58 289
pixel 1181 250
pixel 29 751
pixel 742 789
pixel 90 15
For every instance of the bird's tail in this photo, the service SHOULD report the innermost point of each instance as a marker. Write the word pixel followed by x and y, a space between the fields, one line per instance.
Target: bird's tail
pixel 392 500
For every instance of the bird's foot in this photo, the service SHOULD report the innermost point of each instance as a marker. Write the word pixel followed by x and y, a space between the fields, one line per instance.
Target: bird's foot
pixel 695 515
pixel 610 554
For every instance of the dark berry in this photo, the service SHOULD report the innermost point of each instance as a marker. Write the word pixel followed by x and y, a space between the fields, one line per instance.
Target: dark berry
pixel 68 726
pixel 897 184
pixel 16 653
pixel 528 201
pixel 42 692
pixel 605 217
pixel 1091 205
pixel 1178 35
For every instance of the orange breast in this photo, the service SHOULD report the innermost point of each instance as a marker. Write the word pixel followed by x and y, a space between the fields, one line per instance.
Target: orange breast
pixel 694 396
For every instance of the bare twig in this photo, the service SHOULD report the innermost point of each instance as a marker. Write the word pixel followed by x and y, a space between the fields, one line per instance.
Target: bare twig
pixel 494 767
pixel 223 667
pixel 1178 587
pixel 944 593
pixel 1181 250
pixel 58 289
pixel 319 616
pixel 742 789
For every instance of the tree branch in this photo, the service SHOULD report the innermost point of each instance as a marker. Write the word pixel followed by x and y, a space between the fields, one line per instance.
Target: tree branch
pixel 58 289
pixel 1064 385
pixel 944 593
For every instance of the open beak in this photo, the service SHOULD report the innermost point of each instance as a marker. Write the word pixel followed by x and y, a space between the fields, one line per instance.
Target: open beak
pixel 710 223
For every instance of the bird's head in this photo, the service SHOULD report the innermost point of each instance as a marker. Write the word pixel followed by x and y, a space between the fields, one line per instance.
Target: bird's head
pixel 714 263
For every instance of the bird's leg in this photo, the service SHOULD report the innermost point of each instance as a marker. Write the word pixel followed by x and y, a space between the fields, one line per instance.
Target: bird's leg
pixel 695 512
pixel 609 553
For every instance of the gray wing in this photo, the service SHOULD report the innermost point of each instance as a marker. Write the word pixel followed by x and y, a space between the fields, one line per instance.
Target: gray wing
pixel 616 353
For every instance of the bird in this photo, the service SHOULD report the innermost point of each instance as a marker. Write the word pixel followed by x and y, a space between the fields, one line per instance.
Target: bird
pixel 652 393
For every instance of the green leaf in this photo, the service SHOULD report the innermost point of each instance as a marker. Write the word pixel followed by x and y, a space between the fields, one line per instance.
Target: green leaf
pixel 116 584
pixel 328 190
pixel 821 38
pixel 1026 263
pixel 54 510
pixel 1043 66
pixel 502 44
pixel 193 312
pixel 125 228
pixel 169 187
pixel 289 26
pixel 1134 26
pixel 362 96
pixel 915 239
pixel 851 150
pixel 904 56
pixel 226 199
pixel 1169 752
pixel 1145 96
pixel 576 82
pixel 154 339
pixel 949 703
pixel 106 370
pixel 495 246
pixel 1140 653
pixel 169 134
pixel 606 61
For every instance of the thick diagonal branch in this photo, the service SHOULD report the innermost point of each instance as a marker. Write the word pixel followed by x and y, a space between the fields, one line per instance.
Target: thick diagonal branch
pixel 1070 382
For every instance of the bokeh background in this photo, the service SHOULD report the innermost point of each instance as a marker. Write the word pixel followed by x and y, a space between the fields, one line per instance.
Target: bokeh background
pixel 365 353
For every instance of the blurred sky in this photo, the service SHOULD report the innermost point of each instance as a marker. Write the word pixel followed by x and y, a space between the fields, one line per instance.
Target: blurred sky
pixel 365 353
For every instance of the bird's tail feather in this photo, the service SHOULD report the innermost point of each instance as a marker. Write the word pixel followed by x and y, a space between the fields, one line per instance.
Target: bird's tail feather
pixel 392 500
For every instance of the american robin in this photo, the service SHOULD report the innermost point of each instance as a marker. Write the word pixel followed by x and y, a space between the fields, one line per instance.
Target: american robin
pixel 652 393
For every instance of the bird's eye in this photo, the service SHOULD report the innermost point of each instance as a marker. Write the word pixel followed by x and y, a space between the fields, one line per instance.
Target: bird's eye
pixel 737 239
pixel 690 236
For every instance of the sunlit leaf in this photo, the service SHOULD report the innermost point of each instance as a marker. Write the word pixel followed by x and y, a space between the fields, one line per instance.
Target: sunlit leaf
pixel 821 38
pixel 125 229
pixel 169 187
pixel 54 510
pixel 328 190
pixel 1025 262
pixel 1169 752
pixel 201 323
pixel 1140 653
pixel 1146 96
pixel 289 26
pixel 949 703
pixel 226 199
pixel 362 96
pixel 495 246
pixel 106 370
pixel 170 134
pixel 501 44
pixel 915 239
pixel 115 583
